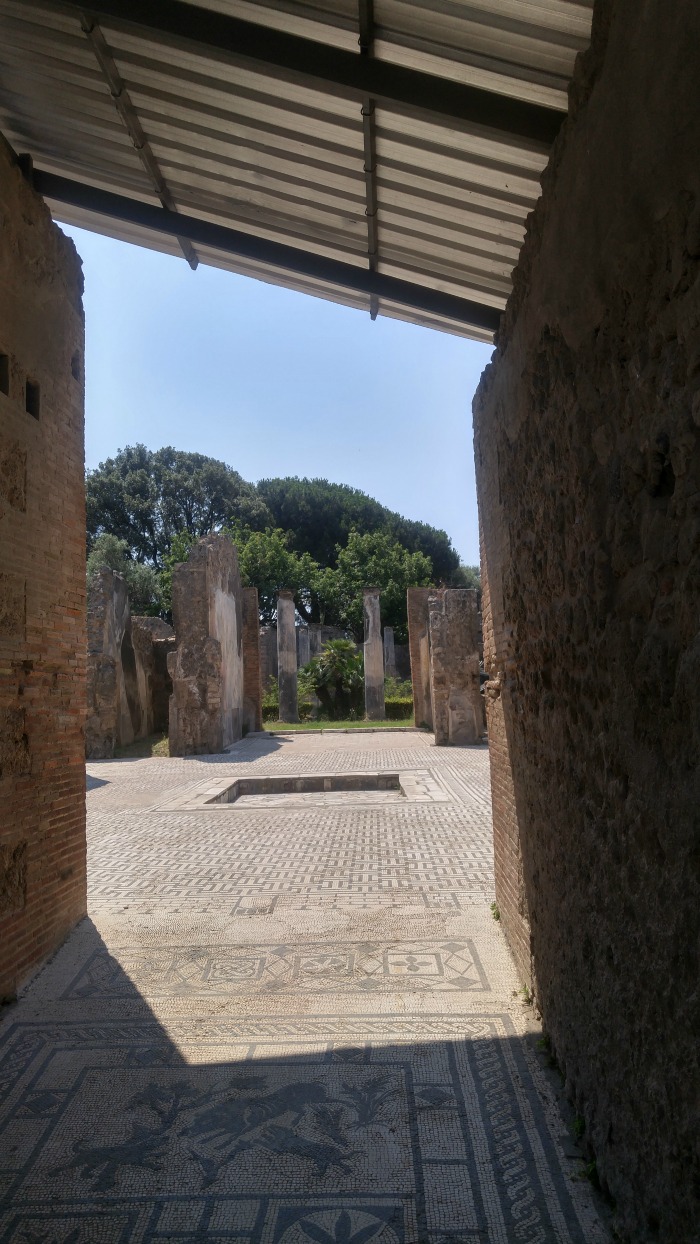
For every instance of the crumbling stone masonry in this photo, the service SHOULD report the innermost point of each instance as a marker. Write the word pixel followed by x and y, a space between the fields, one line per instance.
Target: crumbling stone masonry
pixel 127 682
pixel 206 706
pixel 42 584
pixel 457 706
pixel 419 651
pixel 587 441
pixel 252 687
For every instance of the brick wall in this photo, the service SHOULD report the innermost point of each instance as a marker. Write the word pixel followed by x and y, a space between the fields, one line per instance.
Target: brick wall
pixel 42 583
pixel 587 443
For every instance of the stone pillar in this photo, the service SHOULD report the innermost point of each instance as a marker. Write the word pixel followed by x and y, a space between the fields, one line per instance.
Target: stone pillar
pixel 419 651
pixel 206 706
pixel 252 683
pixel 374 657
pixel 389 652
pixel 303 646
pixel 42 582
pixel 287 657
pixel 458 715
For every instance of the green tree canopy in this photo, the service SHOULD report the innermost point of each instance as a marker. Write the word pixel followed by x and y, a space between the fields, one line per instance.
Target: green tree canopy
pixel 321 515
pixel 146 497
pixel 376 560
pixel 143 582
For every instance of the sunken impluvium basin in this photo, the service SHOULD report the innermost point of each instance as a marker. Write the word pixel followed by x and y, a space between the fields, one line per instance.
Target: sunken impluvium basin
pixel 309 784
pixel 284 790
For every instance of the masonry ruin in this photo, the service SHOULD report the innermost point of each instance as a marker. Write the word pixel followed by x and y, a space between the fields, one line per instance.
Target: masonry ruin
pixel 444 642
pixel 128 685
pixel 42 585
pixel 207 701
pixel 587 442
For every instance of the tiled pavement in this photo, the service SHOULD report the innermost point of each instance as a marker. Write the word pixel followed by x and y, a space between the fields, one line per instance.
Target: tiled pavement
pixel 290 1023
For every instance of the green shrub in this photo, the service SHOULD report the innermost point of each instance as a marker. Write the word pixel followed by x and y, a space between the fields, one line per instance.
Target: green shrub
pixel 398 689
pixel 398 710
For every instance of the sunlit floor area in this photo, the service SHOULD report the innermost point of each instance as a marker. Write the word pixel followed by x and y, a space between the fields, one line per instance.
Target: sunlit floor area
pixel 290 1018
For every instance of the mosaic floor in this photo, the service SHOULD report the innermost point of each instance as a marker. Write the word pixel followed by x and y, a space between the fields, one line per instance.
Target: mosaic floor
pixel 286 1022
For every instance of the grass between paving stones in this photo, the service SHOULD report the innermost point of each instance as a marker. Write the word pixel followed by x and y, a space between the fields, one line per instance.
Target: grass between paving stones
pixel 315 726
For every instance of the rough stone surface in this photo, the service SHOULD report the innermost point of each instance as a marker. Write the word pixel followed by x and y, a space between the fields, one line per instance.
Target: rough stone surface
pixel 263 1034
pixel 206 705
pixel 419 649
pixel 287 657
pixel 252 686
pixel 457 706
pixel 42 588
pixel 127 681
pixel 389 652
pixel 374 656
pixel 587 439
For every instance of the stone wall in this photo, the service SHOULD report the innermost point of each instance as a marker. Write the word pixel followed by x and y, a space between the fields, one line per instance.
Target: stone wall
pixel 206 706
pixel 587 440
pixel 128 686
pixel 42 584
pixel 455 689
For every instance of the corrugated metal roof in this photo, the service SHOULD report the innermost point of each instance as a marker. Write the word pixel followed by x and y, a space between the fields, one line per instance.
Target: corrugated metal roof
pixel 281 157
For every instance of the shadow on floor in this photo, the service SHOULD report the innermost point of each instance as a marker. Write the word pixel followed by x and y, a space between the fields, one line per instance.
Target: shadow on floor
pixel 287 1129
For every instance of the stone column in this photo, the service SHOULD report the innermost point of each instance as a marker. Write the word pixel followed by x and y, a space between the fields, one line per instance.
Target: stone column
pixel 303 646
pixel 252 686
pixel 458 713
pixel 389 652
pixel 287 657
pixel 419 651
pixel 374 657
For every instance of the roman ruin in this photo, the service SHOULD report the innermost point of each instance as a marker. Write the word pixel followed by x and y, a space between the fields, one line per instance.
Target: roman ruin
pixel 374 656
pixel 287 657
pixel 207 701
pixel 457 704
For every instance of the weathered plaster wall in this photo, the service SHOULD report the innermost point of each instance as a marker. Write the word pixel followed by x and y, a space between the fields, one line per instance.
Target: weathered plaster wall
pixel 455 692
pixel 252 686
pixel 587 439
pixel 206 706
pixel 127 681
pixel 42 582
pixel 419 649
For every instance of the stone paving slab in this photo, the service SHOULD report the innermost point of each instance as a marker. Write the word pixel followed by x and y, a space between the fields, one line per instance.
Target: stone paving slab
pixel 295 1025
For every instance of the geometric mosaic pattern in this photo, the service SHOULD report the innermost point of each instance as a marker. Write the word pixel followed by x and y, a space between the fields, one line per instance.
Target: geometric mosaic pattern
pixel 287 1025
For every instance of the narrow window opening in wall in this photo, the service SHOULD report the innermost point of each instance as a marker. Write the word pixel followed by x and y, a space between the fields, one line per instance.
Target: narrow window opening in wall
pixel 5 374
pixel 31 398
pixel 75 366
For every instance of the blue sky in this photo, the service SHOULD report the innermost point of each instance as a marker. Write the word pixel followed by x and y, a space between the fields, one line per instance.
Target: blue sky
pixel 278 383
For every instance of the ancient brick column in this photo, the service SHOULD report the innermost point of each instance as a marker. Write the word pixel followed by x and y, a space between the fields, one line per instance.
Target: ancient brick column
pixel 42 582
pixel 389 652
pixel 458 715
pixel 419 651
pixel 374 657
pixel 252 684
pixel 287 657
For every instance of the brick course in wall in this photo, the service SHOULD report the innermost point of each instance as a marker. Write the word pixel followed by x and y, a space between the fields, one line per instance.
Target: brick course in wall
pixel 587 441
pixel 42 584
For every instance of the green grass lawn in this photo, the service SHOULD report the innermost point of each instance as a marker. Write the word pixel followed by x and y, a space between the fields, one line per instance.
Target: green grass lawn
pixel 337 725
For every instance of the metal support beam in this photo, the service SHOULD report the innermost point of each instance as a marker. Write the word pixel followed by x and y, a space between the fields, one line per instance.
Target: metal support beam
pixel 259 250
pixel 366 22
pixel 220 36
pixel 129 116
